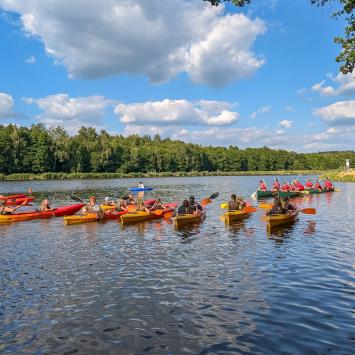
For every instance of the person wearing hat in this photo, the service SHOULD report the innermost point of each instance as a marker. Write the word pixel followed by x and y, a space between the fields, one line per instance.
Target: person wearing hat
pixel 276 185
pixel 108 202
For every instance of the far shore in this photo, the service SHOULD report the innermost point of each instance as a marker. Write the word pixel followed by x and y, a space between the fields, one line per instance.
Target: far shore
pixel 73 176
pixel 339 175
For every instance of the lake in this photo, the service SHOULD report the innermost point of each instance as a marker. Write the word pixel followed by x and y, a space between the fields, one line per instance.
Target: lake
pixel 147 288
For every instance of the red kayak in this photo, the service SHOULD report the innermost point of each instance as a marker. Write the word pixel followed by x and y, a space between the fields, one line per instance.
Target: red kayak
pixel 26 216
pixel 19 201
pixel 2 197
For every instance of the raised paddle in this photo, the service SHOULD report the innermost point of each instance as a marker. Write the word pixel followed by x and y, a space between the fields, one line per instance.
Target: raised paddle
pixel 208 200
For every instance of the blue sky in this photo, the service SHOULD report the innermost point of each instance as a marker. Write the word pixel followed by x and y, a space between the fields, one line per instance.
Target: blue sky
pixel 262 75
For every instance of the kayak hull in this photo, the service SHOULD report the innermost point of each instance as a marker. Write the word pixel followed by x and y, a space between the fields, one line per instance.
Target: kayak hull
pixel 314 191
pixel 19 201
pixel 77 219
pixel 234 216
pixel 137 189
pixel 141 216
pixel 187 219
pixel 68 210
pixel 261 194
pixel 3 198
pixel 278 220
pixel 284 194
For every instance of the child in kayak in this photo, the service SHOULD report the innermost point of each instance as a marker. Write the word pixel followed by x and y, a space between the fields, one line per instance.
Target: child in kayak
pixel 184 208
pixel 236 204
pixel 4 210
pixel 194 206
pixel 276 207
pixel 45 206
pixel 121 205
pixel 262 186
pixel 286 206
pixel 92 207
pixel 141 207
pixel 158 205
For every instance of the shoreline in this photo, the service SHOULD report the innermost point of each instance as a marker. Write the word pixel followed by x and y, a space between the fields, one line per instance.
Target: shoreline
pixel 82 176
pixel 339 175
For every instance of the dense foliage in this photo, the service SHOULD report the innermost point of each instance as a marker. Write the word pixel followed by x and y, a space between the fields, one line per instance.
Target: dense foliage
pixel 346 8
pixel 38 150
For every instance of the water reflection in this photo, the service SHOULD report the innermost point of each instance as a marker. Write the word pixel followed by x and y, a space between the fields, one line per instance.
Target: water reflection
pixel 311 227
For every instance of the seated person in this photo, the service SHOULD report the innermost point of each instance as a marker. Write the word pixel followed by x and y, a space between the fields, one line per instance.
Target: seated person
pixel 236 204
pixel 184 208
pixel 108 202
pixel 4 210
pixel 287 206
pixel 92 207
pixel 45 207
pixel 141 206
pixel 158 205
pixel 262 186
pixel 194 206
pixel 276 208
pixel 121 205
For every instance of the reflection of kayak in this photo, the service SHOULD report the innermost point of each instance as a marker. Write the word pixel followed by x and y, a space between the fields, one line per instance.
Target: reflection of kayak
pixel 2 197
pixel 141 189
pixel 283 194
pixel 277 220
pixel 315 191
pixel 235 216
pixel 186 219
pixel 19 201
pixel 141 216
pixel 58 212
pixel 265 193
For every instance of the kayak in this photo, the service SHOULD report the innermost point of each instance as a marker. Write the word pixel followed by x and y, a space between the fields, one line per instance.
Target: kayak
pixel 19 201
pixel 315 191
pixel 27 216
pixel 93 217
pixel 186 219
pixel 141 216
pixel 2 197
pixel 283 194
pixel 110 208
pixel 136 189
pixel 265 193
pixel 233 216
pixel 277 220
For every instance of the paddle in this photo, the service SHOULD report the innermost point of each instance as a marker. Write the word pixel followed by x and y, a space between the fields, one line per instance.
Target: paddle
pixel 254 195
pixel 77 199
pixel 225 205
pixel 304 210
pixel 169 214
pixel 208 200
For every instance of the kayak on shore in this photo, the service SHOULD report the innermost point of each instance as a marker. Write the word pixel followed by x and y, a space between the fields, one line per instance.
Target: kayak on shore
pixel 27 216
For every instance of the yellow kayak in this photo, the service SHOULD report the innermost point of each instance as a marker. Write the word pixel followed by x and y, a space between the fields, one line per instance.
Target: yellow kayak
pixel 77 219
pixel 277 220
pixel 107 208
pixel 139 216
pixel 181 220
pixel 234 216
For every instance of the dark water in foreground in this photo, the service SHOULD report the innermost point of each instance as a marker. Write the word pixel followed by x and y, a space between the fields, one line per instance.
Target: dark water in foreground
pixel 146 288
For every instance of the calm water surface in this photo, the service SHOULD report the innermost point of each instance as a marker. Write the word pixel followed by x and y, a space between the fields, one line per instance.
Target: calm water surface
pixel 147 288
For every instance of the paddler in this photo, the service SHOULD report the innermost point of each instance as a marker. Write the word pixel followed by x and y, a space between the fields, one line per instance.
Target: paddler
pixel 92 207
pixel 184 208
pixel 299 186
pixel 108 202
pixel 157 205
pixel 276 207
pixel 328 184
pixel 285 186
pixel 287 206
pixel 236 204
pixel 262 185
pixel 318 186
pixel 309 184
pixel 141 207
pixel 276 185
pixel 4 210
pixel 194 206
pixel 121 205
pixel 45 206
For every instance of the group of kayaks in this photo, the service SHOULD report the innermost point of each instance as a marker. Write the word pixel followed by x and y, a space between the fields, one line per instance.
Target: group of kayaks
pixel 283 194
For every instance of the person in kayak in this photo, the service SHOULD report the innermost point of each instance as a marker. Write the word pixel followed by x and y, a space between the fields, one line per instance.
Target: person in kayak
pixel 276 207
pixel 262 186
pixel 286 206
pixel 194 206
pixel 108 202
pixel 236 204
pixel 4 209
pixel 184 208
pixel 121 205
pixel 92 207
pixel 285 186
pixel 141 207
pixel 299 186
pixel 276 185
pixel 309 184
pixel 328 184
pixel 318 186
pixel 45 206
pixel 157 205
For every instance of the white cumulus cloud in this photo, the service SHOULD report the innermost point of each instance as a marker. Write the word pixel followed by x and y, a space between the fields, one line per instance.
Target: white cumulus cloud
pixel 71 113
pixel 345 85
pixel 31 60
pixel 286 123
pixel 260 111
pixel 6 105
pixel 159 39
pixel 177 112
pixel 339 113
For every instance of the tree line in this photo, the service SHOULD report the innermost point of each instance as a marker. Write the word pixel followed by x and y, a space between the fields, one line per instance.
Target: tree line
pixel 38 150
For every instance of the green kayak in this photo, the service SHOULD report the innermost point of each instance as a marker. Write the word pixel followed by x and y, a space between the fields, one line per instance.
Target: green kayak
pixel 283 194
pixel 314 191
pixel 265 193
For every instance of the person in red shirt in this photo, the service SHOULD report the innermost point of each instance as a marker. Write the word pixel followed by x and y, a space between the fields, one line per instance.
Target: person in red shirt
pixel 309 184
pixel 318 186
pixel 262 186
pixel 327 184
pixel 276 185
pixel 285 186
pixel 300 186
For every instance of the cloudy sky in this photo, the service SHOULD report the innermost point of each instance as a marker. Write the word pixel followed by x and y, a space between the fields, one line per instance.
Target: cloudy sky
pixel 262 75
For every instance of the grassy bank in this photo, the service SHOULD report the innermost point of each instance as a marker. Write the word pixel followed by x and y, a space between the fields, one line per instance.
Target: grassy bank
pixel 72 176
pixel 339 175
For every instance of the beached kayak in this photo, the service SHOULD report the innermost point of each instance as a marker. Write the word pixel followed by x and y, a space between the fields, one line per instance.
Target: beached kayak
pixel 283 194
pixel 278 220
pixel 2 197
pixel 315 191
pixel 261 194
pixel 234 216
pixel 141 216
pixel 19 201
pixel 27 216
pixel 137 189
pixel 182 220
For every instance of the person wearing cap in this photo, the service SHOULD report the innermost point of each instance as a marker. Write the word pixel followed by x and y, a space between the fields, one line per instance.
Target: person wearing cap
pixel 276 185
pixel 262 186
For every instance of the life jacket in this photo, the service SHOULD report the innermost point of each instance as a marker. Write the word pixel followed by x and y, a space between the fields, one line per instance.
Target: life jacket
pixel 276 185
pixel 309 184
pixel 285 187
pixel 262 186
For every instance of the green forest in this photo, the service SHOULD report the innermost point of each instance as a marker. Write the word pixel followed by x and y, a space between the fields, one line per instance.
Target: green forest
pixel 38 150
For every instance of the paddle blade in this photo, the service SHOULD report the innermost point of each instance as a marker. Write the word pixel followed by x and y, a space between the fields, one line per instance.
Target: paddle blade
pixel 224 205
pixel 76 198
pixel 308 211
pixel 265 206
pixel 214 195
pixel 249 209
pixel 168 214
pixel 205 202
pixel 254 195
pixel 157 212
pixel 131 208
